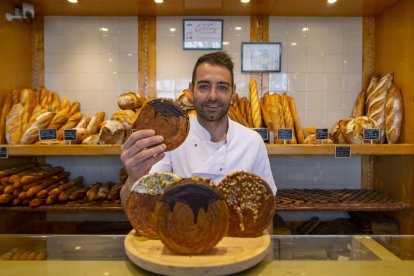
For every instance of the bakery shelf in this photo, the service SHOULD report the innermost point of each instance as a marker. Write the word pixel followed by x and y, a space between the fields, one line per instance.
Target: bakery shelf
pixel 336 200
pixel 96 150
pixel 73 206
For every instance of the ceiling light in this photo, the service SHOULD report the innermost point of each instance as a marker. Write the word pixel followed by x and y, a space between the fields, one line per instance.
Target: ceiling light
pixel 238 28
pixel 173 29
pixel 245 1
pixel 159 1
pixel 103 29
pixel 305 29
pixel 293 44
pixel 331 1
pixel 73 1
pixel 226 43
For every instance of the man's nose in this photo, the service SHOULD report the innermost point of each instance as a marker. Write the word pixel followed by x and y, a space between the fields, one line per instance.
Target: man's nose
pixel 213 93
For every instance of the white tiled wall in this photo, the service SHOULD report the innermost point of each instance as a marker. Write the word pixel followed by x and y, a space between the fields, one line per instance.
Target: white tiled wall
pixel 175 65
pixel 87 64
pixel 321 65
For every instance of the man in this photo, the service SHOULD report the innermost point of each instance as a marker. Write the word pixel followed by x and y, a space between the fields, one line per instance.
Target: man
pixel 215 146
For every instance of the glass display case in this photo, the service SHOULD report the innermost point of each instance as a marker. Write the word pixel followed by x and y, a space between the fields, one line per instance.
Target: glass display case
pixel 287 255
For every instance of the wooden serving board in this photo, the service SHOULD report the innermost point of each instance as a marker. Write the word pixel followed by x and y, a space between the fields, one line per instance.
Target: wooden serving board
pixel 230 255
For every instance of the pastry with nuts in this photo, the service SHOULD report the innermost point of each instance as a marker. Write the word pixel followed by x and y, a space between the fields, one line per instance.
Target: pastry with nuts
pixel 192 216
pixel 251 204
pixel 140 204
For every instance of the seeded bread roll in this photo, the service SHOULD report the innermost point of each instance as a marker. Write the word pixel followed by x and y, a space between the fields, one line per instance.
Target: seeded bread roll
pixel 393 115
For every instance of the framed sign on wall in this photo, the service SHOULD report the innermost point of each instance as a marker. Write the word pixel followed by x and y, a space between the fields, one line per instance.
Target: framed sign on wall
pixel 202 34
pixel 261 56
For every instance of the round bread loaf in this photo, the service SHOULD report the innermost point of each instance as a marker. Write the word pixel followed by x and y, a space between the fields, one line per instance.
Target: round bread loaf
pixel 130 100
pixel 140 204
pixel 192 216
pixel 251 204
pixel 166 118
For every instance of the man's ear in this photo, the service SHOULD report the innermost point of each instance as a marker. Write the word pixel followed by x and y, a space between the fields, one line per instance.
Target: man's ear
pixel 190 86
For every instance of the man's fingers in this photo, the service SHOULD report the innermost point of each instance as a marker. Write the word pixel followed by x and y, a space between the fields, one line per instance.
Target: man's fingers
pixel 136 136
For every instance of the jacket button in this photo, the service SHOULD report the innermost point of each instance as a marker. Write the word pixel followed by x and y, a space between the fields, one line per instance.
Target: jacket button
pixel 195 145
pixel 221 169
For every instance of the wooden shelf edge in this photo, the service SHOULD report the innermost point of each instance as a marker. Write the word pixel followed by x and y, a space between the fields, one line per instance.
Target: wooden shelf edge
pixel 273 150
pixel 65 208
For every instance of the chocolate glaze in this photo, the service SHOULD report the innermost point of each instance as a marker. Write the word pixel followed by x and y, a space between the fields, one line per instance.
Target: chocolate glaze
pixel 195 196
pixel 167 108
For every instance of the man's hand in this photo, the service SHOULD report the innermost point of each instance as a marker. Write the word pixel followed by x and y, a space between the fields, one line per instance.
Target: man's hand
pixel 139 153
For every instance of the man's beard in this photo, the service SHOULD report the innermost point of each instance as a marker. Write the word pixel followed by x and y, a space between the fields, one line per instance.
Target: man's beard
pixel 212 116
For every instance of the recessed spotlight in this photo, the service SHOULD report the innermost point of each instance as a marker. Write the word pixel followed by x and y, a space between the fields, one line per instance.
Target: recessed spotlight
pixel 245 1
pixel 130 55
pixel 73 1
pixel 173 29
pixel 238 28
pixel 159 1
pixel 331 1
pixel 305 29
pixel 103 29
pixel 293 44
pixel 226 43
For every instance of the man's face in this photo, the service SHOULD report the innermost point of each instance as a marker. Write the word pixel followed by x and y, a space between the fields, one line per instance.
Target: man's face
pixel 212 91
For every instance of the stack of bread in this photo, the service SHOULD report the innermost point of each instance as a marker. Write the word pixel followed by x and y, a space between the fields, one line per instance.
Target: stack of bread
pixel 34 185
pixel 24 112
pixel 274 111
pixel 379 106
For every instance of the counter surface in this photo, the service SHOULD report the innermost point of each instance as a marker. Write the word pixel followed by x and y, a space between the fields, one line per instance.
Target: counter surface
pixel 289 255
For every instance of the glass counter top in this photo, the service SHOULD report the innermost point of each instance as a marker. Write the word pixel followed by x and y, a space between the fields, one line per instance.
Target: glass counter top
pixel 288 255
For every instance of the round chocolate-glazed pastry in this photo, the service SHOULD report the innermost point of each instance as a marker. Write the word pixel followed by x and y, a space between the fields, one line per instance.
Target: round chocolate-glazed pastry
pixel 192 216
pixel 251 204
pixel 166 118
pixel 141 201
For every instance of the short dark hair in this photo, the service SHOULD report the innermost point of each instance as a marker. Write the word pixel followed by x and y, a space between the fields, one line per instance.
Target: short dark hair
pixel 220 58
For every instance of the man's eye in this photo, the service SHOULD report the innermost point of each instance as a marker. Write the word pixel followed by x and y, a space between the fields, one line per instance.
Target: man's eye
pixel 203 86
pixel 223 87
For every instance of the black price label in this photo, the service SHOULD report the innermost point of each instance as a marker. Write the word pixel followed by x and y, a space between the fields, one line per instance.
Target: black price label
pixel 322 133
pixel 69 134
pixel 371 134
pixel 263 132
pixel 284 134
pixel 4 152
pixel 342 151
pixel 47 134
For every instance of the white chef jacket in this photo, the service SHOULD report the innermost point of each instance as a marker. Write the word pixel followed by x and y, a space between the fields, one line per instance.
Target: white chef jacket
pixel 198 156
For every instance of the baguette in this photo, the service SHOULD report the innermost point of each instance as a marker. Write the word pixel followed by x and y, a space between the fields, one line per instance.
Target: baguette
pixel 55 107
pixel 16 201
pixel 266 116
pixel 255 107
pixel 75 107
pixel 78 193
pixel 298 129
pixel 36 202
pixel 43 193
pixel 59 119
pixel 64 195
pixel 393 115
pixel 92 193
pixel 14 124
pixel 83 123
pixel 13 170
pixel 104 190
pixel 114 191
pixel 287 115
pixel 95 123
pixel 8 189
pixel 4 110
pixel 6 198
pixel 65 103
pixel 45 184
pixel 359 107
pixel 40 175
pixel 71 123
pixel 51 199
pixel 78 180
pixel 31 135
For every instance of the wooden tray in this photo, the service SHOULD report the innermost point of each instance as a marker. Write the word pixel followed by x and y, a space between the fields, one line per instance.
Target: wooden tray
pixel 231 255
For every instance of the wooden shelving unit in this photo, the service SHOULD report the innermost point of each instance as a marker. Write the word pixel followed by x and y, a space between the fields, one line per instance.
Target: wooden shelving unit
pixel 287 150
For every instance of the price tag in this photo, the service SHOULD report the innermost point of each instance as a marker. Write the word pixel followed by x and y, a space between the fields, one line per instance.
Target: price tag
pixel 4 152
pixel 47 134
pixel 69 134
pixel 342 151
pixel 371 134
pixel 284 134
pixel 263 132
pixel 322 133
